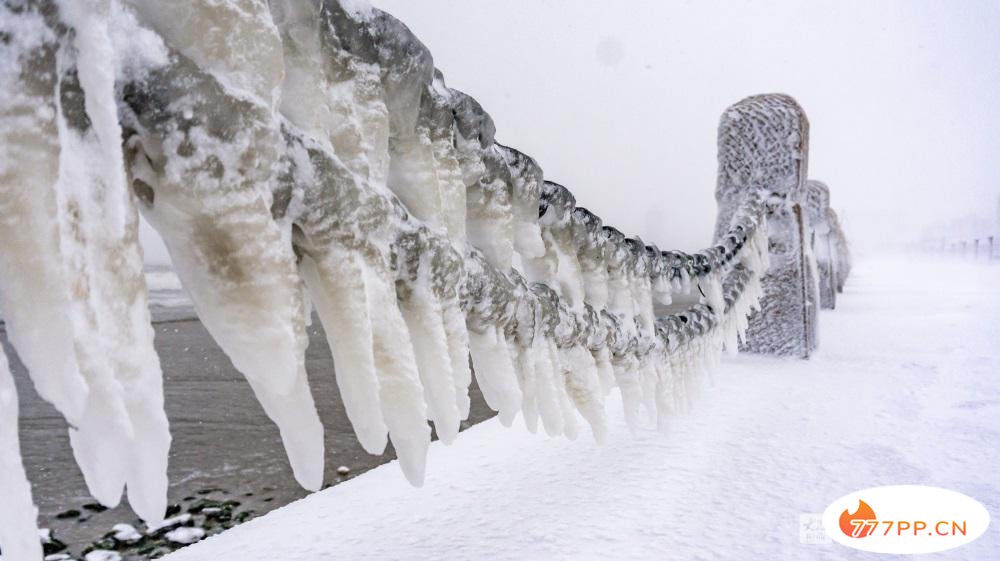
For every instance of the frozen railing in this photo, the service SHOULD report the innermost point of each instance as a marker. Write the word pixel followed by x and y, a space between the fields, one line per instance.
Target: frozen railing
pixel 297 156
pixel 984 248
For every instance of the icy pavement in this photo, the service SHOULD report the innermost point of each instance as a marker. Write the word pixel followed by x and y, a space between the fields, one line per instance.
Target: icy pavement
pixel 905 389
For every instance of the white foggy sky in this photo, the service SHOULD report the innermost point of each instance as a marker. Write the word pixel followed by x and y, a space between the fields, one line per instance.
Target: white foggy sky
pixel 619 101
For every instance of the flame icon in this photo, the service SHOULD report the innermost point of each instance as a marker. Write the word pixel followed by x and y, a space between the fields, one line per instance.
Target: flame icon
pixel 851 524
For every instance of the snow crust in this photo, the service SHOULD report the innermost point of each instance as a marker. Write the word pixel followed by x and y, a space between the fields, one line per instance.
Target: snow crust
pixel 884 401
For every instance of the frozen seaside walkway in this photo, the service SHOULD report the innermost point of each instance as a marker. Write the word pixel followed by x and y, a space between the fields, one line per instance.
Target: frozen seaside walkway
pixel 905 389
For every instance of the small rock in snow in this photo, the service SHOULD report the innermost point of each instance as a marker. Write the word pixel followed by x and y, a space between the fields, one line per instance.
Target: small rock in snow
pixel 169 523
pixel 126 533
pixel 185 535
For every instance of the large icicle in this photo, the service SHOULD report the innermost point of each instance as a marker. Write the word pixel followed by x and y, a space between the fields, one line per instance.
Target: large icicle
pixel 18 529
pixel 400 389
pixel 32 291
pixel 204 150
pixel 99 240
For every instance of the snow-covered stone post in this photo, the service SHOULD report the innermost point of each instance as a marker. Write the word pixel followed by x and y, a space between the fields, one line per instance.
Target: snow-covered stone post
pixel 842 255
pixel 763 147
pixel 818 204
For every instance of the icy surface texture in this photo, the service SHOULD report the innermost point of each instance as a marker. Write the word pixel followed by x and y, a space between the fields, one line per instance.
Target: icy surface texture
pixel 297 155
pixel 763 151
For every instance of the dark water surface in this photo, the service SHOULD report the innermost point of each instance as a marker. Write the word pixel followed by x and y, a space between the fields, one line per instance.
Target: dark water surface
pixel 224 447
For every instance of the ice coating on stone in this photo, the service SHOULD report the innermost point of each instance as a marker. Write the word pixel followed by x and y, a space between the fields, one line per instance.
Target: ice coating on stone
pixel 527 179
pixel 233 40
pixel 294 154
pixel 18 529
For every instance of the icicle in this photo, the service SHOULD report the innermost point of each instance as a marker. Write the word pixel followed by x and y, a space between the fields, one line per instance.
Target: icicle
pixel 400 391
pixel 647 384
pixel 547 378
pixel 605 370
pixel 103 265
pixel 95 65
pixel 18 528
pixel 665 390
pixel 584 388
pixel 521 339
pixel 597 342
pixel 33 295
pixel 528 380
pixel 426 270
pixel 337 288
pixel 492 298
pixel 566 407
pixel 458 350
pixel 341 157
pixel 629 384
pixel 494 369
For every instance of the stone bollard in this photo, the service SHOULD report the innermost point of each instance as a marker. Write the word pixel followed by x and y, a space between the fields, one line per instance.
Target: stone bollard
pixel 841 252
pixel 763 147
pixel 821 242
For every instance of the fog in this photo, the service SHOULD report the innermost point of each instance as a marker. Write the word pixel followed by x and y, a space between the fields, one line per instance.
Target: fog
pixel 620 101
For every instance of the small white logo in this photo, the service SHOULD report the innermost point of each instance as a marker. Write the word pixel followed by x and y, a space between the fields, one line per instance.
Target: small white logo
pixel 811 530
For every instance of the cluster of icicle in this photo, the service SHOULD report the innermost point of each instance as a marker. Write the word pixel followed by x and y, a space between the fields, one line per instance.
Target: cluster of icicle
pixel 299 156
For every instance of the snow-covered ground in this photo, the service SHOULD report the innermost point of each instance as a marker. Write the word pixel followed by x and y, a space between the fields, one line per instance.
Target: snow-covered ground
pixel 905 389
